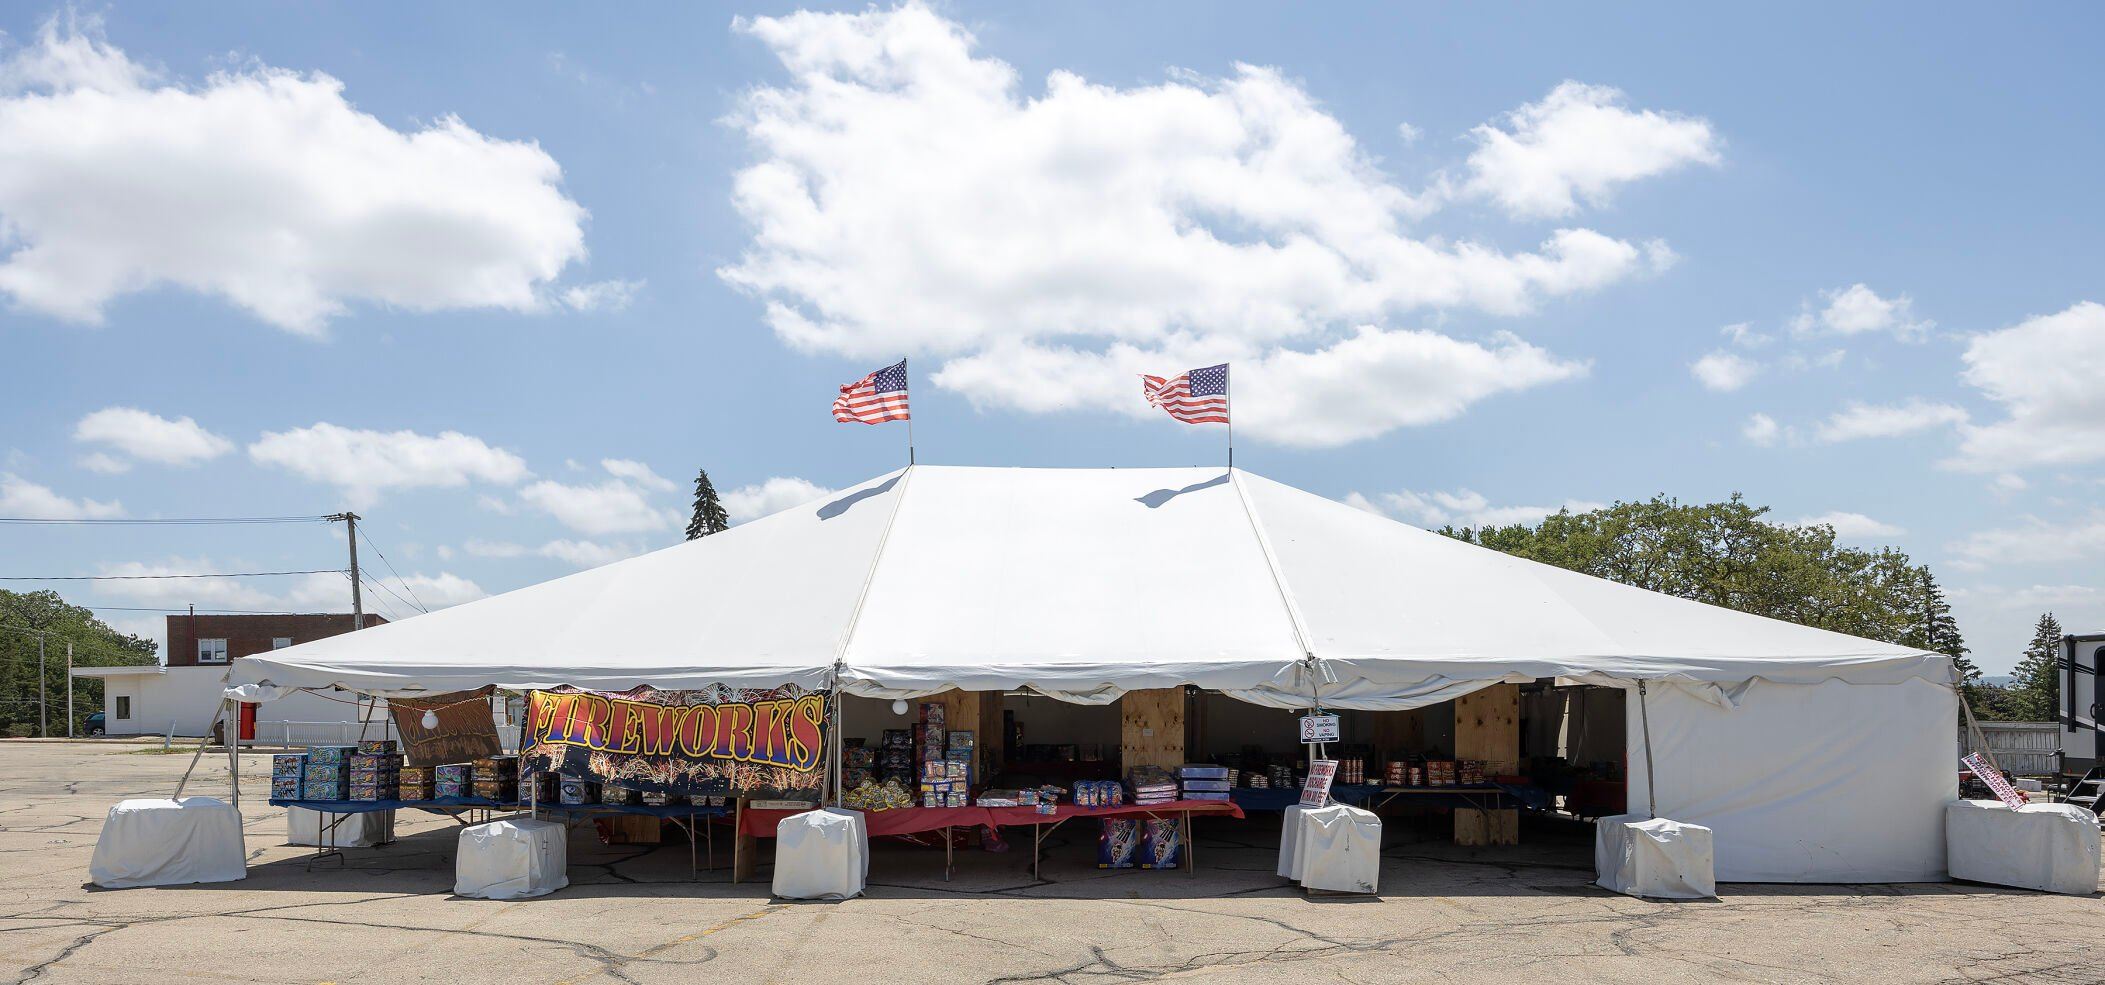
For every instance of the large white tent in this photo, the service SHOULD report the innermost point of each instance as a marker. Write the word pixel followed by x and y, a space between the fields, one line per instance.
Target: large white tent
pixel 1813 756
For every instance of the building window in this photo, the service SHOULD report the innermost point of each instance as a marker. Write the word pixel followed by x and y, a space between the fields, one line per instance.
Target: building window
pixel 280 642
pixel 124 707
pixel 211 651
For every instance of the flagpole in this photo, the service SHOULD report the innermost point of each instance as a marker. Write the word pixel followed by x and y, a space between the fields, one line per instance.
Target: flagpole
pixel 1228 390
pixel 909 415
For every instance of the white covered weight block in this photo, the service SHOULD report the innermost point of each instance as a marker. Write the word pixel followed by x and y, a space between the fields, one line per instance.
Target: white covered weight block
pixel 511 858
pixel 305 827
pixel 1339 850
pixel 1290 842
pixel 1654 857
pixel 821 854
pixel 169 843
pixel 2051 847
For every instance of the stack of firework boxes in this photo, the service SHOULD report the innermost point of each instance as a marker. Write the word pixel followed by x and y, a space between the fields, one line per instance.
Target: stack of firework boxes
pixel 376 770
pixel 452 780
pixel 327 773
pixel 288 772
pixel 1204 781
pixel 945 758
pixel 496 778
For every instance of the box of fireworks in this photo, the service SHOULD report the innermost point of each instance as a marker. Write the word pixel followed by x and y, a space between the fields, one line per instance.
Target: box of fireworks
pixel 416 775
pixel 620 796
pixel 1259 781
pixel 1207 795
pixel 959 739
pixel 859 756
pixel 932 713
pixel 1397 773
pixel 1471 773
pixel 372 791
pixel 782 805
pixel 1161 842
pixel 1118 844
pixel 1048 807
pixel 288 764
pixel 325 790
pixel 999 798
pixel 375 760
pixel 497 768
pixel 285 788
pixel 1210 786
pixel 932 739
pixel 326 773
pixel 500 791
pixel 572 791
pixel 959 797
pixel 367 774
pixel 956 755
pixel 659 798
pixel 442 789
pixel 414 790
pixel 329 755
pixel 452 773
pixel 537 788
pixel 1352 770
pixel 957 771
pixel 898 738
pixel 934 770
pixel 377 747
pixel 1202 771
pixel 1439 772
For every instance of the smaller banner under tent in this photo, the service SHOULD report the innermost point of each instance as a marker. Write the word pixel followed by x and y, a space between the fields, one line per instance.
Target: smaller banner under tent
pixel 1812 756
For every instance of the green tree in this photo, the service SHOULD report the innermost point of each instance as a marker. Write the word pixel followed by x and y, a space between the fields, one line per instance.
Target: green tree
pixel 2036 690
pixel 27 616
pixel 1935 629
pixel 709 516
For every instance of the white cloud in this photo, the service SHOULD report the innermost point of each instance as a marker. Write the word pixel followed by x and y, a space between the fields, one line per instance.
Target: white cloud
pixel 604 295
pixel 773 495
pixel 1409 133
pixel 1860 420
pixel 1744 335
pixel 261 186
pixel 105 463
pixel 578 553
pixel 1761 429
pixel 20 497
pixel 1724 371
pixel 2008 484
pixel 610 507
pixel 1578 144
pixel 437 591
pixel 364 464
pixel 1460 508
pixel 143 436
pixel 321 592
pixel 638 473
pixel 1857 309
pixel 2035 541
pixel 1852 525
pixel 909 195
pixel 2048 373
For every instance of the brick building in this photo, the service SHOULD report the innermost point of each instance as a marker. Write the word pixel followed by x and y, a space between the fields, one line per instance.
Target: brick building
pixel 212 640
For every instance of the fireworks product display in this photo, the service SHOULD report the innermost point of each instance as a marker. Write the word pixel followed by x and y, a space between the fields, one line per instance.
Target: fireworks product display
pixel 1161 843
pixel 496 777
pixel 1118 845
pixel 1352 770
pixel 452 780
pixel 375 775
pixel 538 787
pixel 1099 793
pixel 871 796
pixel 573 791
pixel 415 783
pixel 287 772
pixel 1202 781
pixel 377 747
pixel 328 773
pixel 1152 785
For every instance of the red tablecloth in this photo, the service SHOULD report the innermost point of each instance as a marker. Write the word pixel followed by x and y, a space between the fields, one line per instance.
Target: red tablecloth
pixel 1014 816
pixel 897 821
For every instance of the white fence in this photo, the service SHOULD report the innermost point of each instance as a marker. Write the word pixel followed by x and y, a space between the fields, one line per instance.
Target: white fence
pixel 2022 748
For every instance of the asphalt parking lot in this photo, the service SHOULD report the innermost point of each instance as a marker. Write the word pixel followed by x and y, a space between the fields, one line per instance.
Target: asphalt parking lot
pixel 631 914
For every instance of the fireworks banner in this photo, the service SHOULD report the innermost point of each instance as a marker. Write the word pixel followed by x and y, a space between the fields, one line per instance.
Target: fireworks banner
pixel 716 741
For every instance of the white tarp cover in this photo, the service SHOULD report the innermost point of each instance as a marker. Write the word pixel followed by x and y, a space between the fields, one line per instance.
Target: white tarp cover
pixel 1829 782
pixel 1339 850
pixel 2051 847
pixel 821 854
pixel 1290 841
pixel 158 842
pixel 1653 857
pixel 511 858
pixel 1081 583
pixel 362 830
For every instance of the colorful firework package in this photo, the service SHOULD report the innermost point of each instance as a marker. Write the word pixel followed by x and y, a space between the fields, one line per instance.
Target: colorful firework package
pixel 452 780
pixel 1161 843
pixel 1099 793
pixel 286 774
pixel 415 782
pixel 1118 845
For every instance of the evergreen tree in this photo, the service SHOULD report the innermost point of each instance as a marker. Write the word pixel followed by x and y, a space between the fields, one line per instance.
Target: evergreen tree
pixel 2037 688
pixel 709 516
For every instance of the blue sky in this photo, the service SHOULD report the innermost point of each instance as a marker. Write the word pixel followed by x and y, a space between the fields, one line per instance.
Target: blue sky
pixel 501 282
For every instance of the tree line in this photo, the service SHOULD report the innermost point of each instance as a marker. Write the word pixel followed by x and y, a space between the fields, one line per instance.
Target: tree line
pixel 1729 554
pixel 25 617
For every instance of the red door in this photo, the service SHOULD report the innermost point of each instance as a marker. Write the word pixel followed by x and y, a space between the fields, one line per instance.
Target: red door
pixel 248 721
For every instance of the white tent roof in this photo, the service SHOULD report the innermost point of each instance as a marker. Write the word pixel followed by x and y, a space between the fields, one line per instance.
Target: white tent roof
pixel 1083 583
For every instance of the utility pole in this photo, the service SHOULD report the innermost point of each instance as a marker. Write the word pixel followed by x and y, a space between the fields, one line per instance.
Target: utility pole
pixel 69 689
pixel 350 520
pixel 43 720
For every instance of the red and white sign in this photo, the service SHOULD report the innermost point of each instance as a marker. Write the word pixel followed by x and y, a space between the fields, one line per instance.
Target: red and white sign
pixel 1316 792
pixel 2010 795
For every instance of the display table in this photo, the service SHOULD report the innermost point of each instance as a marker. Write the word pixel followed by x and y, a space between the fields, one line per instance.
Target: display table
pixel 1281 798
pixel 1655 858
pixel 753 823
pixel 1338 849
pixel 169 843
pixel 690 818
pixel 821 854
pixel 311 828
pixel 2049 847
pixel 1045 824
pixel 511 858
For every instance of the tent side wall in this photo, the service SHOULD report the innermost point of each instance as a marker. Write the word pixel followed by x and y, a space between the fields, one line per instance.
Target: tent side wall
pixel 1828 782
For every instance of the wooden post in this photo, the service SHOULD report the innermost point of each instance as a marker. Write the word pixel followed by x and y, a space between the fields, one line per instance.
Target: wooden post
pixel 1151 728
pixel 743 846
pixel 1487 728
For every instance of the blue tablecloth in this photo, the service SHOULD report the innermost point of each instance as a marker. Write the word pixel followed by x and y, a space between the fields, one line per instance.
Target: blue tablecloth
pixel 1281 798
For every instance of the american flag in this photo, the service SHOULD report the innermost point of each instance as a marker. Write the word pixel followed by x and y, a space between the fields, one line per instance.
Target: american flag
pixel 1198 396
pixel 874 399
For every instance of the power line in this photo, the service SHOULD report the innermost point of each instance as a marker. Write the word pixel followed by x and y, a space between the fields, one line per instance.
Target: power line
pixel 175 520
pixel 391 570
pixel 379 587
pixel 224 574
pixel 209 612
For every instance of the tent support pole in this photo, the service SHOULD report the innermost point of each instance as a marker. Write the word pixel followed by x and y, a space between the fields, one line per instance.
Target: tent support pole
pixel 1644 716
pixel 217 714
pixel 1973 728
